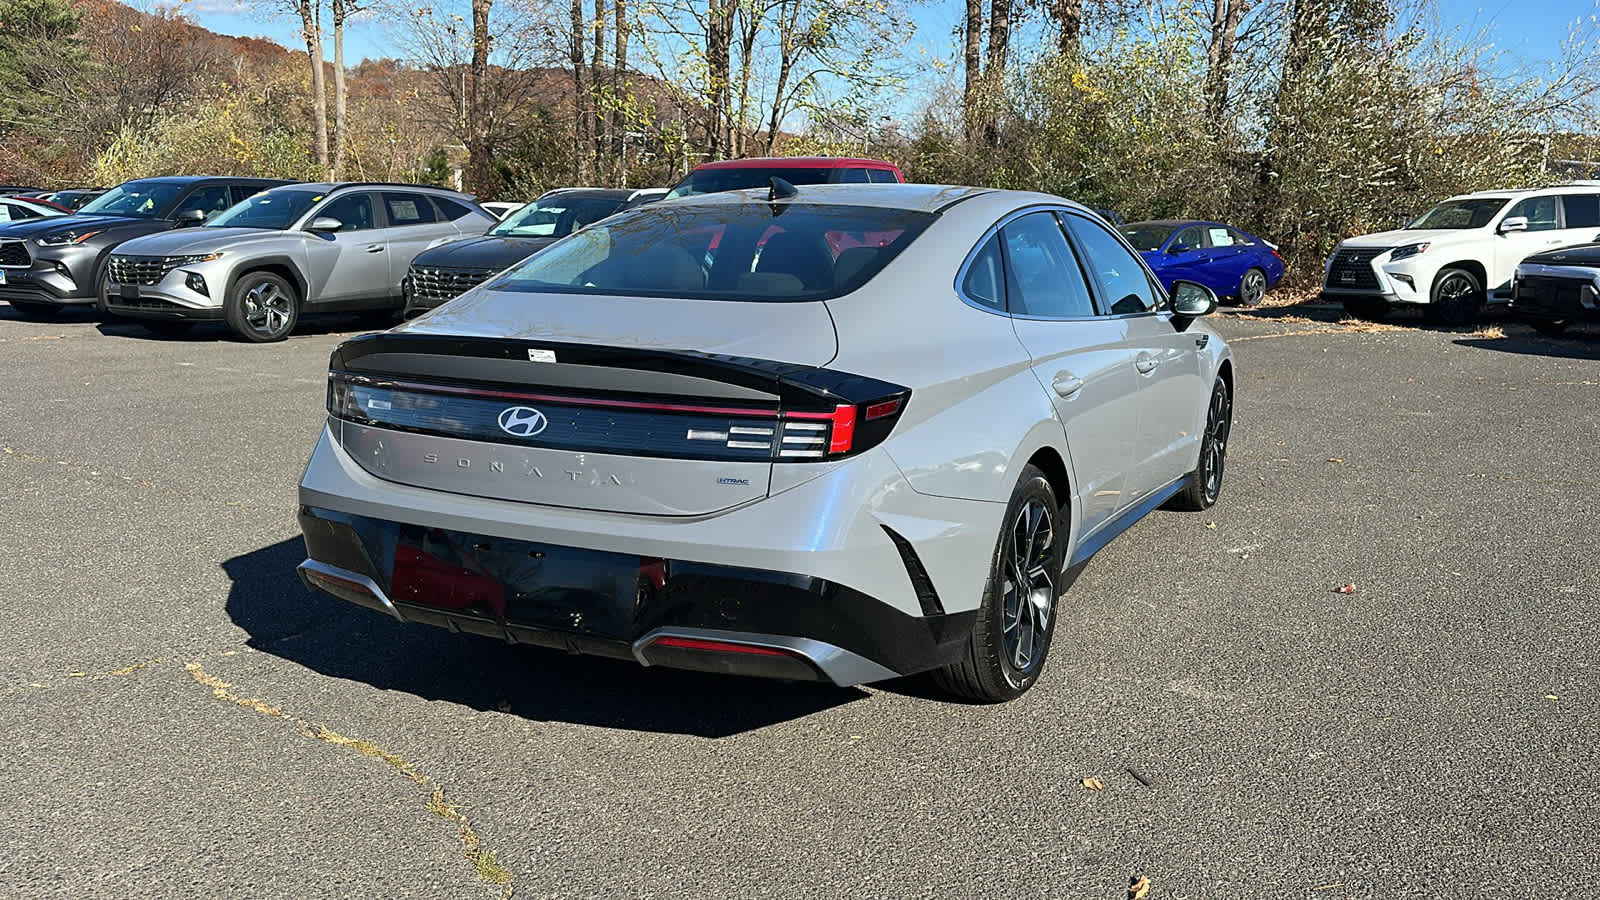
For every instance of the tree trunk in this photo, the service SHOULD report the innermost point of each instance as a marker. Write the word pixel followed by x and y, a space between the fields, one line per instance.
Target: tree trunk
pixel 1069 23
pixel 480 155
pixel 1225 18
pixel 788 19
pixel 719 38
pixel 582 145
pixel 747 44
pixel 994 70
pixel 311 29
pixel 616 120
pixel 972 96
pixel 600 136
pixel 341 9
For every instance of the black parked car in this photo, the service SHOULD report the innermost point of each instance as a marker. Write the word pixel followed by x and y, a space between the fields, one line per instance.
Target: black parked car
pixel 46 264
pixel 1556 288
pixel 450 270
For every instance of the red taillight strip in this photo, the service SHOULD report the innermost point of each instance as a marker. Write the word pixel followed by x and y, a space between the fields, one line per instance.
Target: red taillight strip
pixel 684 643
pixel 552 398
pixel 842 420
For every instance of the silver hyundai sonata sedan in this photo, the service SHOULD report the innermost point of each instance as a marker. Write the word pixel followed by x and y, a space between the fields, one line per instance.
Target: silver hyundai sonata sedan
pixel 839 432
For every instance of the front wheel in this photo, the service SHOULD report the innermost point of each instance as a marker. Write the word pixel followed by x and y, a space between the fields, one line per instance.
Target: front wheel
pixel 1009 642
pixel 1204 484
pixel 1252 288
pixel 1457 298
pixel 262 307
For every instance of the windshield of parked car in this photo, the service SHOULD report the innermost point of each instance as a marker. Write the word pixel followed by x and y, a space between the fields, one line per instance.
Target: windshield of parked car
pixel 556 216
pixel 715 181
pixel 1460 214
pixel 143 199
pixel 740 251
pixel 269 209
pixel 1148 237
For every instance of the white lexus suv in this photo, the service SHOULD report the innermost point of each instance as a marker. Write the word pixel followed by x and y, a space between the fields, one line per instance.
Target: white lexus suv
pixel 1461 254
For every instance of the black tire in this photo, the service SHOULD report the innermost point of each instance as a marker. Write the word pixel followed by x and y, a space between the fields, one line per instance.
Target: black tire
pixel 1252 288
pixel 999 662
pixel 1371 309
pixel 262 307
pixel 102 299
pixel 38 311
pixel 1551 327
pixel 1457 298
pixel 166 327
pixel 1202 487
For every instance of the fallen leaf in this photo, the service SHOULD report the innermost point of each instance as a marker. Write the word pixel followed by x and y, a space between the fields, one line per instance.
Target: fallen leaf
pixel 1335 459
pixel 1211 525
pixel 1551 697
pixel 1345 589
pixel 1093 784
pixel 1138 888
pixel 504 706
pixel 77 674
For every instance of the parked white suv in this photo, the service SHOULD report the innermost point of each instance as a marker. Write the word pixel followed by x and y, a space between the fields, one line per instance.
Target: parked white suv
pixel 1461 254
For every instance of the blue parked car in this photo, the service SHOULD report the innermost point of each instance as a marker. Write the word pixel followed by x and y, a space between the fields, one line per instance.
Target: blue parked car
pixel 1225 259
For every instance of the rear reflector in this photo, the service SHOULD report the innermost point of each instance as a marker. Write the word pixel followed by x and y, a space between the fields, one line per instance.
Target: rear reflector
pixel 684 643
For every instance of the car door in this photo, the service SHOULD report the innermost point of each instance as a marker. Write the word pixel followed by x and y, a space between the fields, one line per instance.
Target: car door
pixel 1081 358
pixel 351 263
pixel 1166 360
pixel 414 226
pixel 1185 255
pixel 1228 261
pixel 1512 247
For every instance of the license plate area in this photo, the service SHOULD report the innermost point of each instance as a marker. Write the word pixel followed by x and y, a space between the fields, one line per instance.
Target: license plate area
pixel 129 292
pixel 2 276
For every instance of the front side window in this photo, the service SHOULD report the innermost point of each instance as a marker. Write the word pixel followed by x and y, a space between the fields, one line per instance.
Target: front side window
pixel 140 199
pixel 354 212
pixel 1113 267
pixel 1540 212
pixel 724 252
pixel 1042 275
pixel 278 209
pixel 210 201
pixel 1191 238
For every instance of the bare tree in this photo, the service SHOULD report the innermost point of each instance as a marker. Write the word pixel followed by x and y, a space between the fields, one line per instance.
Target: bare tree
pixel 1225 18
pixel 342 10
pixel 310 14
pixel 582 101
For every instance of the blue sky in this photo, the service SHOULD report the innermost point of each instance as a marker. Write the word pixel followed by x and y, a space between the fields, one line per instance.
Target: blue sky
pixel 1529 30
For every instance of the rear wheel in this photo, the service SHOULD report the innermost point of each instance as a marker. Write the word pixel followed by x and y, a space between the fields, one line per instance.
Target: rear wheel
pixel 1371 309
pixel 29 310
pixel 1009 642
pixel 1252 288
pixel 262 307
pixel 1457 298
pixel 1204 484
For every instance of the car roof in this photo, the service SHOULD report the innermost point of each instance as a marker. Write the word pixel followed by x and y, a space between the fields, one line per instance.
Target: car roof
pixel 590 193
pixel 916 197
pixel 195 179
pixel 328 187
pixel 797 162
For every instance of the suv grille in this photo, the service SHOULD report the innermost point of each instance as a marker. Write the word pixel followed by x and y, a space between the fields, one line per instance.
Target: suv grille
pixel 433 285
pixel 1552 297
pixel 1353 268
pixel 141 269
pixel 14 253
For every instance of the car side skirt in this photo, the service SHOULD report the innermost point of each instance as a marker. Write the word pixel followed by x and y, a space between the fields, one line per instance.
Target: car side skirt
pixel 1096 542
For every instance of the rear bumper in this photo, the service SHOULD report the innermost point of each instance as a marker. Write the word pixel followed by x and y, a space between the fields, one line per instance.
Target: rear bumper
pixel 658 612
pixel 852 560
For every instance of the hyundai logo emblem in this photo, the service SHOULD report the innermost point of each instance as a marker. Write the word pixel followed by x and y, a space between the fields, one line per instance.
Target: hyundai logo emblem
pixel 522 421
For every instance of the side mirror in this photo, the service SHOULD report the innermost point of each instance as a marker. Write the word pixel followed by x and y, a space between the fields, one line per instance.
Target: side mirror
pixel 325 224
pixel 1191 300
pixel 1513 223
pixel 1178 248
pixel 191 217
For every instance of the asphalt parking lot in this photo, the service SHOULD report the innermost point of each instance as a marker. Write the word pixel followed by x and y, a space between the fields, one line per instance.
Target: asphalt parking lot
pixel 181 718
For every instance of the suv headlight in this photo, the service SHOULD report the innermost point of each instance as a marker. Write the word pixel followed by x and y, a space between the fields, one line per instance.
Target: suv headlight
pixel 63 238
pixel 194 258
pixel 1406 252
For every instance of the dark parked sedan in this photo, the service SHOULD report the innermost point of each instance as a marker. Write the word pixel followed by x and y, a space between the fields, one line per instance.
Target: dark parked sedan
pixel 1223 258
pixel 450 270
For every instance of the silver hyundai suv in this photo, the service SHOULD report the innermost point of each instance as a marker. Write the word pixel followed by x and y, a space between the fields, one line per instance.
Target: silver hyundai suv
pixel 303 248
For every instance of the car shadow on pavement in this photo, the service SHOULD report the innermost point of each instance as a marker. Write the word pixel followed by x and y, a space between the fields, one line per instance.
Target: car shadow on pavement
pixel 340 640
pixel 1575 345
pixel 217 332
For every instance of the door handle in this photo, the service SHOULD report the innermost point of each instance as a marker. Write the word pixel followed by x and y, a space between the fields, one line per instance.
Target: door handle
pixel 1067 384
pixel 375 248
pixel 1146 364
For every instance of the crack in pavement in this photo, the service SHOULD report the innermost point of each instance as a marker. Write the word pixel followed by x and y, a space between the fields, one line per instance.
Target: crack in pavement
pixel 485 861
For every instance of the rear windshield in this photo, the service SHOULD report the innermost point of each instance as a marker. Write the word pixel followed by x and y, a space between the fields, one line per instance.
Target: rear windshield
pixel 724 252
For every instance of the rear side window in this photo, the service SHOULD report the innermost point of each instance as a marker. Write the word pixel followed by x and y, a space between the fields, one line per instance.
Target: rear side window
pixel 724 252
pixel 1042 275
pixel 1583 210
pixel 985 282
pixel 715 181
pixel 408 209
pixel 450 209
pixel 882 176
pixel 854 176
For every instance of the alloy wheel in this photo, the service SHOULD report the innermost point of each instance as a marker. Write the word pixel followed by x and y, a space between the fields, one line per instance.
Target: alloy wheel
pixel 1253 289
pixel 267 309
pixel 1029 590
pixel 1219 421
